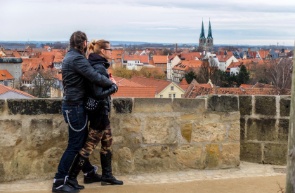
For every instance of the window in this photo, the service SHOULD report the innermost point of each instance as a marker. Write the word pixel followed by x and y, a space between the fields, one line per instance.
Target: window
pixel 172 87
pixel 169 95
pixel 161 96
pixel 174 95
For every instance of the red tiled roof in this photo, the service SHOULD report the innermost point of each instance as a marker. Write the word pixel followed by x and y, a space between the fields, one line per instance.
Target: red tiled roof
pixel 191 55
pixel 158 83
pixel 5 75
pixel 136 91
pixel 160 59
pixel 5 89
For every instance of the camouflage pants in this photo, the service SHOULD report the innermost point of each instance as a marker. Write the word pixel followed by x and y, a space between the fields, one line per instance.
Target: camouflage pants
pixel 95 135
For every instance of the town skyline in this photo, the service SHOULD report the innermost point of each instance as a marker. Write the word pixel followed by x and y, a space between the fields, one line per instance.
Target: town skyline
pixel 233 23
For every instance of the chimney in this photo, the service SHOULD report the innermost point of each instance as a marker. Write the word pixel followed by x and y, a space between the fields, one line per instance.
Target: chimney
pixel 176 48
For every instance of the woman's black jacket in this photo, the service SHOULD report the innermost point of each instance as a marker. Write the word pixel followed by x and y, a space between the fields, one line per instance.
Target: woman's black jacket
pixel 100 65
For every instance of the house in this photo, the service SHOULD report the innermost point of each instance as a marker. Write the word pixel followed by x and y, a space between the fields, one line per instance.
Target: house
pixel 135 62
pixel 179 71
pixel 170 64
pixel 14 67
pixel 160 61
pixel 225 61
pixel 6 78
pixel 11 93
pixel 56 90
pixel 164 88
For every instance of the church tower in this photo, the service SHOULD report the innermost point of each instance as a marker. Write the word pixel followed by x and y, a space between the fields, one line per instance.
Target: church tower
pixel 206 44
pixel 209 41
pixel 202 39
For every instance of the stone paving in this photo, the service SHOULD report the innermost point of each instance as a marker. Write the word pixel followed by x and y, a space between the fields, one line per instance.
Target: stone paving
pixel 245 170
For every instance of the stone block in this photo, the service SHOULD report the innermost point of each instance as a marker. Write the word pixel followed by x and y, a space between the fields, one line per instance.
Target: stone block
pixel 242 129
pixel 34 106
pixel 2 103
pixel 261 129
pixel 160 130
pixel 233 131
pixel 130 124
pixel 10 133
pixel 152 105
pixel 275 153
pixel 223 103
pixel 230 155
pixel 188 105
pixel 154 158
pixel 285 106
pixel 190 156
pixel 265 105
pixel 213 132
pixel 251 152
pixel 122 105
pixel 283 130
pixel 245 103
pixel 40 133
pixel 213 156
pixel 125 160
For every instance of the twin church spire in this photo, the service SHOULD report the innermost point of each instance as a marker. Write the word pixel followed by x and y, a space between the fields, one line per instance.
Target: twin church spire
pixel 206 43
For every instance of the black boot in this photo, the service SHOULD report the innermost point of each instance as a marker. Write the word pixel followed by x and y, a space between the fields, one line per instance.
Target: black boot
pixel 92 176
pixel 76 167
pixel 60 187
pixel 107 177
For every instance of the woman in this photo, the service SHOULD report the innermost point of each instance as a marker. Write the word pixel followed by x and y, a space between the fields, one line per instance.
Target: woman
pixel 76 72
pixel 99 128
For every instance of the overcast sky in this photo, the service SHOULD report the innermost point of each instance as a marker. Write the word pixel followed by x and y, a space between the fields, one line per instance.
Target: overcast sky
pixel 262 22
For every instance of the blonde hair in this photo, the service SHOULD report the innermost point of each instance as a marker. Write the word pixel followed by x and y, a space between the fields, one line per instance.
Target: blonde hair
pixel 95 46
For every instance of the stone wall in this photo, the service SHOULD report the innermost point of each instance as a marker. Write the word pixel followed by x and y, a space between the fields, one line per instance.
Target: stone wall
pixel 150 135
pixel 264 128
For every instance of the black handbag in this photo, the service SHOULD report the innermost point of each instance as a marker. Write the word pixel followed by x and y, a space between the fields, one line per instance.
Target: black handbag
pixel 91 104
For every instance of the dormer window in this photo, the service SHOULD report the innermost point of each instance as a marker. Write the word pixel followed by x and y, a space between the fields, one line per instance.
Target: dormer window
pixel 172 88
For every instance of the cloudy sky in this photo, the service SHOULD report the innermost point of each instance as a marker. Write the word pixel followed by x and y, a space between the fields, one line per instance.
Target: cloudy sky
pixel 252 22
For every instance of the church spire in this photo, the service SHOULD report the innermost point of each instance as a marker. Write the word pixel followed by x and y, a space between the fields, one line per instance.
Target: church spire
pixel 209 31
pixel 202 35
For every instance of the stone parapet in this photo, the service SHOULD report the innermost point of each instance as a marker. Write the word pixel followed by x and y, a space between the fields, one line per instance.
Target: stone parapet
pixel 149 135
pixel 264 128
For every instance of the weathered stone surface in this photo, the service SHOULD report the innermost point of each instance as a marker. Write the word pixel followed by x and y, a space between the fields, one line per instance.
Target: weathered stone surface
pixel 233 131
pixel 213 132
pixel 251 152
pixel 213 156
pixel 285 107
pixel 10 133
pixel 223 103
pixel 283 130
pixel 242 129
pixel 40 133
pixel 123 105
pixel 230 116
pixel 186 132
pixel 152 105
pixel 191 117
pixel 189 105
pixel 275 153
pixel 126 160
pixel 245 103
pixel 160 130
pixel 230 155
pixel 2 103
pixel 154 158
pixel 190 156
pixel 51 158
pixel 261 129
pixel 265 105
pixel 34 106
pixel 131 124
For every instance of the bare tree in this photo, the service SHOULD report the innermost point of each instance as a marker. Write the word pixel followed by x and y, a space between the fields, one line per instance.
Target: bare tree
pixel 207 71
pixel 279 73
